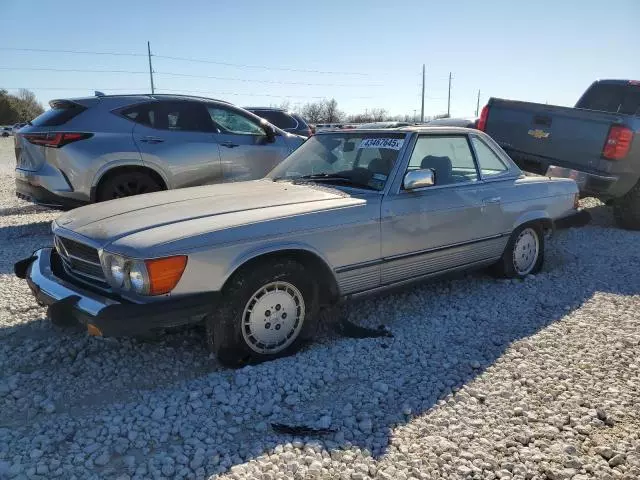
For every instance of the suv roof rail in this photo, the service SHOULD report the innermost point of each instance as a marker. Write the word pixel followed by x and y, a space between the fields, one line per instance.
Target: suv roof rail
pixel 200 97
pixel 154 95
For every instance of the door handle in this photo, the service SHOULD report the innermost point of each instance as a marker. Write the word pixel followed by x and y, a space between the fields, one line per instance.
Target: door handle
pixel 229 144
pixel 151 140
pixel 488 201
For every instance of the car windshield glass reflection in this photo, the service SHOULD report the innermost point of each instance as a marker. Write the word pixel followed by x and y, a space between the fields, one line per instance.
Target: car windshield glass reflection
pixel 364 160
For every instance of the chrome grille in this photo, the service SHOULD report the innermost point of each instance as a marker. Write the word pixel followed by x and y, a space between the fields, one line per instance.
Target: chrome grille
pixel 80 260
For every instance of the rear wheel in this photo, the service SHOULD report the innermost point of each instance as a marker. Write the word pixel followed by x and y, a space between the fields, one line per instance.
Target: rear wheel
pixel 524 253
pixel 265 312
pixel 127 184
pixel 626 210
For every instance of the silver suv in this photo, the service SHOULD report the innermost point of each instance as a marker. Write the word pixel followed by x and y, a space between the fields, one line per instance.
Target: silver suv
pixel 104 147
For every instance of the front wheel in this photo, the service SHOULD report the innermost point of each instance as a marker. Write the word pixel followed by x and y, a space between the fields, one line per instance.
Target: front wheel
pixel 266 311
pixel 524 253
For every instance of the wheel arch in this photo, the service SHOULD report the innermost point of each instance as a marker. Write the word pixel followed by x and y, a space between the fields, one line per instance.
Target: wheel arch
pixel 536 216
pixel 111 169
pixel 318 266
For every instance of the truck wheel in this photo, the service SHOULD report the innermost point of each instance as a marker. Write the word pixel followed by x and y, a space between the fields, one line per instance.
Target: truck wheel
pixel 265 312
pixel 626 210
pixel 524 253
pixel 127 184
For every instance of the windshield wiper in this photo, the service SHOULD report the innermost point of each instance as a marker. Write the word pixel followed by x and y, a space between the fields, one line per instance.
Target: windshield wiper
pixel 334 177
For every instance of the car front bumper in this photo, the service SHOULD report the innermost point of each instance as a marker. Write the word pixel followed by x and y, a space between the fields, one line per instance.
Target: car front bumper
pixel 101 314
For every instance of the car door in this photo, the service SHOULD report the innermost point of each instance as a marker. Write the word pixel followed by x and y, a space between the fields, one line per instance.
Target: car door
pixel 498 189
pixel 441 227
pixel 246 152
pixel 177 138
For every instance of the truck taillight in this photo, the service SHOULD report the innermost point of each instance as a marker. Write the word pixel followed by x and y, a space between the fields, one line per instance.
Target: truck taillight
pixel 618 143
pixel 56 139
pixel 484 115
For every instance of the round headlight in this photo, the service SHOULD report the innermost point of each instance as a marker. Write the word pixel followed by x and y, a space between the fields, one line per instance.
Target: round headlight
pixel 116 270
pixel 138 277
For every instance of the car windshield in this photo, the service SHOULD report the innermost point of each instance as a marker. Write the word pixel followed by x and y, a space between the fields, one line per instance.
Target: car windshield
pixel 360 160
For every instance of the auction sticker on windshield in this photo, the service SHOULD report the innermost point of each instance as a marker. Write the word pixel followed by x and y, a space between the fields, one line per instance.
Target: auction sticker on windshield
pixel 391 143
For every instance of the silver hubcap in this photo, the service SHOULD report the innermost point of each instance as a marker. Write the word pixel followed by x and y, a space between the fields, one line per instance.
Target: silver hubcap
pixel 273 317
pixel 525 251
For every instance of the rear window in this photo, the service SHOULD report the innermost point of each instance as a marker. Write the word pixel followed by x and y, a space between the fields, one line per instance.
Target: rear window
pixel 59 114
pixel 614 98
pixel 279 119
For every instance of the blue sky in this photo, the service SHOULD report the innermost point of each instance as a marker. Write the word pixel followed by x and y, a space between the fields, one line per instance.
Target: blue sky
pixel 542 51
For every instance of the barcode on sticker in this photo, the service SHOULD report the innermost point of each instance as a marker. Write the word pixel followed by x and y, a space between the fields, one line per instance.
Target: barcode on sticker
pixel 390 143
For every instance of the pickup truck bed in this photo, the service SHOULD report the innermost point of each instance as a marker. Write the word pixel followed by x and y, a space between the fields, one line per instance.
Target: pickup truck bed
pixel 599 149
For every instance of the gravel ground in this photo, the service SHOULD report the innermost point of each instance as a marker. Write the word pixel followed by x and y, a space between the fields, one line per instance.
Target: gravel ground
pixel 534 379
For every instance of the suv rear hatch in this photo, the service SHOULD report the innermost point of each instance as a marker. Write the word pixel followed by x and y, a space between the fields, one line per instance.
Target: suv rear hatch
pixel 32 141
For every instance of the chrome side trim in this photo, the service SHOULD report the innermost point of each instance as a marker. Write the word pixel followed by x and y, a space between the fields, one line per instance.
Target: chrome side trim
pixel 357 266
pixel 409 281
pixel 446 247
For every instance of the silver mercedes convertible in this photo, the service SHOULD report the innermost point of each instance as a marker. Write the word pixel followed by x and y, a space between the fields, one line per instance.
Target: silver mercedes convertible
pixel 347 214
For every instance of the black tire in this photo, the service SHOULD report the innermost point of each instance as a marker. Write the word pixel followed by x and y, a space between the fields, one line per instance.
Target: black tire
pixel 127 184
pixel 626 210
pixel 224 328
pixel 506 267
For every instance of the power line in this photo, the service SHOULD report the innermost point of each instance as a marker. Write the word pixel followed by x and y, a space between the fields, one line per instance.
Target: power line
pixel 81 52
pixel 72 70
pixel 175 91
pixel 188 75
pixel 262 67
pixel 182 59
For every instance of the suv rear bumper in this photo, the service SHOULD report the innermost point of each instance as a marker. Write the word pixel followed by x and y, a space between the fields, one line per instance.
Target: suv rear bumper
pixel 102 315
pixel 41 196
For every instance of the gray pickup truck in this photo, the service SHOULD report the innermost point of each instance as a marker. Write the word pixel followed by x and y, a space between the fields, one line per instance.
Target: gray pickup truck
pixel 592 143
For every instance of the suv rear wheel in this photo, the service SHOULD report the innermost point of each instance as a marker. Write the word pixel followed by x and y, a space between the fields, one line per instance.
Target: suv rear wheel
pixel 626 210
pixel 126 184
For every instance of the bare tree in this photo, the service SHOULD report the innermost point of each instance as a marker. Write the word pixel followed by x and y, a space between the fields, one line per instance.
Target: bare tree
pixel 378 114
pixel 331 112
pixel 285 105
pixel 313 112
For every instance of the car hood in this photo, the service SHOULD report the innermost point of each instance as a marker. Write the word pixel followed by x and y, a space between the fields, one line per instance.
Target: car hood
pixel 182 210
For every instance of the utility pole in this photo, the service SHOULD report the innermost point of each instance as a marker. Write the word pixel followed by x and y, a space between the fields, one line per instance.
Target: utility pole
pixel 478 104
pixel 153 90
pixel 449 98
pixel 422 106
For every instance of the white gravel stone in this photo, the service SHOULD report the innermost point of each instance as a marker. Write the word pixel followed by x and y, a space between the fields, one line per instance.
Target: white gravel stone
pixel 486 379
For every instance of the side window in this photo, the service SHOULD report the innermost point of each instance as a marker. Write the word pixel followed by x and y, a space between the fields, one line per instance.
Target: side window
pixel 490 163
pixel 182 116
pixel 233 122
pixel 143 114
pixel 448 156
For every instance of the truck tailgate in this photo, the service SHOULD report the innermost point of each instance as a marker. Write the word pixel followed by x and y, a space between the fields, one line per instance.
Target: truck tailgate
pixel 538 135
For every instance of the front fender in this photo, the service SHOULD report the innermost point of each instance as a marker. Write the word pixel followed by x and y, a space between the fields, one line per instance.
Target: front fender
pixel 251 254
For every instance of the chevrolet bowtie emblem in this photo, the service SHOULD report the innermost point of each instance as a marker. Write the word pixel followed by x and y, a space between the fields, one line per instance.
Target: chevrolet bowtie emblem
pixel 537 133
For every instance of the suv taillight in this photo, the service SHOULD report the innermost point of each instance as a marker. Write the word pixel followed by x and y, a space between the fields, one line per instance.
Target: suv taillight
pixel 482 121
pixel 618 143
pixel 55 140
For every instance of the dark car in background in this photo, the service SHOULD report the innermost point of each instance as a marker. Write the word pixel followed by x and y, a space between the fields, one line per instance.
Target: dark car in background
pixel 287 121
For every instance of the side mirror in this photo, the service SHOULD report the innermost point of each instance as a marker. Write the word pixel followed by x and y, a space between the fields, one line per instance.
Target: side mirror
pixel 269 132
pixel 419 179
